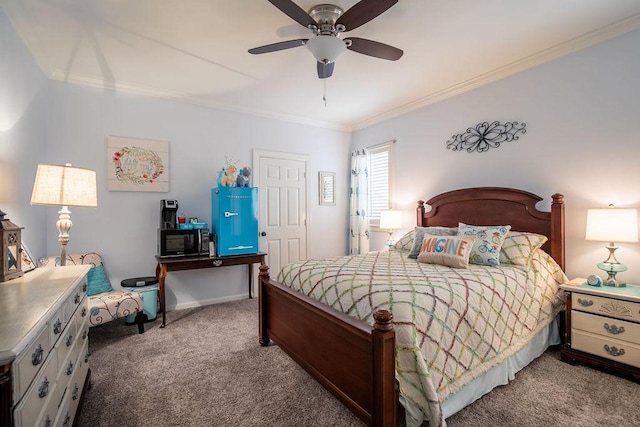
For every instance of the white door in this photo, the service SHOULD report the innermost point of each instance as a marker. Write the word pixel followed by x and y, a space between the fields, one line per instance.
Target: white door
pixel 282 182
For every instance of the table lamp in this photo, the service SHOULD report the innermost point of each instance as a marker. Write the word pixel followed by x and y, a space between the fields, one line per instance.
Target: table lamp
pixel 390 220
pixel 65 186
pixel 612 225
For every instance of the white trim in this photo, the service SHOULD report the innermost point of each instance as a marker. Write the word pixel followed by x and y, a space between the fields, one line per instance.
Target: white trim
pixel 586 40
pixel 202 303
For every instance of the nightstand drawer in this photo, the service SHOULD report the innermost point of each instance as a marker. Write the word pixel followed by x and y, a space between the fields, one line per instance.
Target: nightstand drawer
pixel 619 351
pixel 606 326
pixel 619 309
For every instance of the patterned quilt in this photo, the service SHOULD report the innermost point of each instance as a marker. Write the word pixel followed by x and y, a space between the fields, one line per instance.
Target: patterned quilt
pixel 451 324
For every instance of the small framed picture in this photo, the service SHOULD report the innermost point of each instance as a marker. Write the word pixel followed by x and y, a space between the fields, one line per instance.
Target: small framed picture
pixel 28 263
pixel 327 190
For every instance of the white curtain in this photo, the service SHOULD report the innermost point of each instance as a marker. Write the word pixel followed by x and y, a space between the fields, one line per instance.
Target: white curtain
pixel 359 198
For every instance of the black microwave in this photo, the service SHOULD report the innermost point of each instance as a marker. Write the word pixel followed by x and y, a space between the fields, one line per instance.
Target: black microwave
pixel 174 242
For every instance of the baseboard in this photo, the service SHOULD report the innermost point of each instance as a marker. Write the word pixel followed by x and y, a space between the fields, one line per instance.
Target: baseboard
pixel 202 303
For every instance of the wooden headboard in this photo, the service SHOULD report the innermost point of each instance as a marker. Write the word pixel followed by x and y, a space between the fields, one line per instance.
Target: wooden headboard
pixel 499 206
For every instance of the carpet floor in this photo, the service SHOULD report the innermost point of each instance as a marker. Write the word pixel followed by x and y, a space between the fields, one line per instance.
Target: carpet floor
pixel 206 368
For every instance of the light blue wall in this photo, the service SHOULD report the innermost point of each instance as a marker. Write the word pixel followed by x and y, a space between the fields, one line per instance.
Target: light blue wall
pixel 56 122
pixel 582 140
pixel 24 105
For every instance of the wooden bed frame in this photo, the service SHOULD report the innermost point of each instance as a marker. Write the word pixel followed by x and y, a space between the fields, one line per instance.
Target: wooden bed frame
pixel 356 362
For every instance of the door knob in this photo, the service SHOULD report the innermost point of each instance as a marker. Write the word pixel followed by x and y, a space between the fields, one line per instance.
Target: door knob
pixel 264 233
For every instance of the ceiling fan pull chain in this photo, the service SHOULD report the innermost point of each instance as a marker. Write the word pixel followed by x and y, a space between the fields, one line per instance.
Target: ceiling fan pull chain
pixel 324 93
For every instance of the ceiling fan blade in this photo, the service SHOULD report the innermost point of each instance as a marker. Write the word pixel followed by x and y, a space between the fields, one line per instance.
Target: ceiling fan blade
pixel 278 46
pixel 376 49
pixel 363 12
pixel 294 12
pixel 325 70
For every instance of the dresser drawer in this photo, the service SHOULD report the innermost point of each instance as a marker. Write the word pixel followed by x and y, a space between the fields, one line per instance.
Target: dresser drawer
pixel 31 359
pixel 37 397
pixel 606 326
pixel 619 309
pixel 79 376
pixel 609 348
pixel 48 415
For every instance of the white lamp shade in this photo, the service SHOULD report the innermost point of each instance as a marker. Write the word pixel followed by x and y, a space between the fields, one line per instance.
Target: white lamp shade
pixel 612 225
pixel 64 186
pixel 391 220
pixel 326 48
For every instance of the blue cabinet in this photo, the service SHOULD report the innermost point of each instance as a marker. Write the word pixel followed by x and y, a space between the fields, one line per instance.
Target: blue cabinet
pixel 234 219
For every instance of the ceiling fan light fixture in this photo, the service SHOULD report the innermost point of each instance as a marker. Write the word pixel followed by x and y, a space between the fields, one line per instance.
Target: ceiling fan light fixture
pixel 326 48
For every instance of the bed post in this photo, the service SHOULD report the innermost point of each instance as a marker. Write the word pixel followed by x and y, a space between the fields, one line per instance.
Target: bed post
pixel 262 305
pixel 420 213
pixel 384 363
pixel 557 229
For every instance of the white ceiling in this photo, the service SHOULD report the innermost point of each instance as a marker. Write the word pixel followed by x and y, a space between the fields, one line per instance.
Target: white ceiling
pixel 196 50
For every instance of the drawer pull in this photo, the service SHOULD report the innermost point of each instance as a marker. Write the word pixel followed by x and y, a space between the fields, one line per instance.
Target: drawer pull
pixel 47 422
pixel 44 388
pixel 84 311
pixel 84 335
pixel 613 329
pixel 36 356
pixel 74 393
pixel 67 419
pixel 69 340
pixel 76 300
pixel 70 368
pixel 57 327
pixel 84 287
pixel 614 351
pixel 86 357
pixel 585 303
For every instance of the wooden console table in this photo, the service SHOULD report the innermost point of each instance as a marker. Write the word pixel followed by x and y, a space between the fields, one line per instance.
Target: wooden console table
pixel 167 264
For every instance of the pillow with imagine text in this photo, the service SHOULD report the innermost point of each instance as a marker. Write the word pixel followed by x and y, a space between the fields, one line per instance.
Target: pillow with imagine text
pixel 452 251
pixel 420 232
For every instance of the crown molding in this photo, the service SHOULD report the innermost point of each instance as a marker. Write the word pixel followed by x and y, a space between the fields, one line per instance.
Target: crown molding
pixel 586 40
pixel 180 97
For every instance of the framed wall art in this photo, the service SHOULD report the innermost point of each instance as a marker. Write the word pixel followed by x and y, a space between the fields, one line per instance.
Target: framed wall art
pixel 137 164
pixel 327 190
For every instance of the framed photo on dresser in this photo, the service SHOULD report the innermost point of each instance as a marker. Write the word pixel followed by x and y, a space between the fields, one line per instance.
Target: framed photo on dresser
pixel 28 263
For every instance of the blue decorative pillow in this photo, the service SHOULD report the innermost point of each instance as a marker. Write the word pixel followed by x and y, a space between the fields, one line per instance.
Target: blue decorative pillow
pixel 97 281
pixel 486 249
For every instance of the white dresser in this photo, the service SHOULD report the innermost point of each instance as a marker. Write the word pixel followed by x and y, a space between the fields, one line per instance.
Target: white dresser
pixel 44 346
pixel 603 328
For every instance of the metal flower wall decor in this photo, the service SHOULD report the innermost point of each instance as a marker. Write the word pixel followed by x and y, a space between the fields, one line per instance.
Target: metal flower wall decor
pixel 485 136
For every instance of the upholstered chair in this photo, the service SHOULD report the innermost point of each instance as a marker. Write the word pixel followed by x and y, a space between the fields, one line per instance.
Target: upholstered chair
pixel 104 303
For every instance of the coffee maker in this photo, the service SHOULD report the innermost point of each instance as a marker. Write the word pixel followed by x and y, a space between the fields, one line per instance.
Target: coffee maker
pixel 168 214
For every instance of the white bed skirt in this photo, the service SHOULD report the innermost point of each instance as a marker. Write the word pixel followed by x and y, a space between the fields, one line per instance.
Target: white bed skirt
pixel 504 372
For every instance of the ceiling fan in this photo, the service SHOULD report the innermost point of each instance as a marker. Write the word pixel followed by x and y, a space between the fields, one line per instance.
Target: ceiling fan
pixel 327 22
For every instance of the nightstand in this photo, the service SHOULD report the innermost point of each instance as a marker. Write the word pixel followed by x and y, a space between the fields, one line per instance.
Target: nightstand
pixel 603 328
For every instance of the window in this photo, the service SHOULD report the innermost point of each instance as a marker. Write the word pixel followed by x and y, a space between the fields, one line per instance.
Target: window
pixel 380 159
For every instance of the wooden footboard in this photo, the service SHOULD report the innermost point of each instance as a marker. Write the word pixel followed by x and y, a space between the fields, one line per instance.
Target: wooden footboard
pixel 352 360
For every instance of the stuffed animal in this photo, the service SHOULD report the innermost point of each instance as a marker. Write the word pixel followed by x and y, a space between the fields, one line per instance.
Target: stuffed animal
pixel 243 177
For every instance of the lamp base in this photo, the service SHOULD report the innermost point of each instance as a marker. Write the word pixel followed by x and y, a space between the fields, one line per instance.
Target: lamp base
pixel 390 242
pixel 612 268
